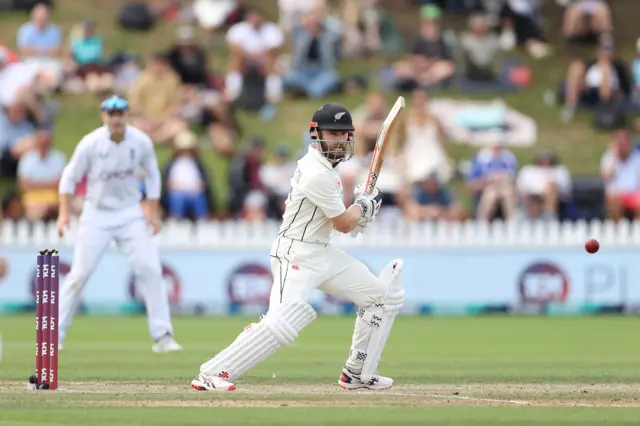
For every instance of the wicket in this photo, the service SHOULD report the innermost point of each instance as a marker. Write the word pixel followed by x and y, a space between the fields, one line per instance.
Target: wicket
pixel 47 286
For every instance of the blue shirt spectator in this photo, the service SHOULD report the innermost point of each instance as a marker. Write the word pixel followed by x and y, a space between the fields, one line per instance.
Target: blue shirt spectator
pixel 13 127
pixel 440 196
pixel 496 160
pixel 39 37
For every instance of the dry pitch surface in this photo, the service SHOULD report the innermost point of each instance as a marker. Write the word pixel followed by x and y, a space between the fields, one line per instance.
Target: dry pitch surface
pixel 301 395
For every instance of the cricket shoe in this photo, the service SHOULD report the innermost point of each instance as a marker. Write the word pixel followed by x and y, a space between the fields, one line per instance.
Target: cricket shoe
pixel 166 344
pixel 211 383
pixel 351 381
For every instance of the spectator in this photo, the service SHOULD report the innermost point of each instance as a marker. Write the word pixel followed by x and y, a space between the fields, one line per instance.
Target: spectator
pixel 276 180
pixel 244 175
pixel 202 104
pixel 87 53
pixel 533 208
pixel 19 83
pixel 39 42
pixel 424 140
pixel 586 18
pixel 156 99
pixel 520 25
pixel 429 63
pixel 362 23
pixel 188 59
pixel 16 138
pixel 254 46
pixel 313 61
pixel 596 82
pixel 39 173
pixel 431 200
pixel 367 119
pixel 620 168
pixel 546 181
pixel 491 180
pixel 480 53
pixel 188 188
pixel 213 15
pixel 255 207
pixel 291 12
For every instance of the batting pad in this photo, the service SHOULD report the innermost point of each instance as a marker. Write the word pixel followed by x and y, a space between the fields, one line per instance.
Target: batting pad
pixel 379 321
pixel 279 327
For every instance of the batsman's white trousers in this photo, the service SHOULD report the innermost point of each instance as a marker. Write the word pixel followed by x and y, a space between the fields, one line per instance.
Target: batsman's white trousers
pixel 136 243
pixel 299 268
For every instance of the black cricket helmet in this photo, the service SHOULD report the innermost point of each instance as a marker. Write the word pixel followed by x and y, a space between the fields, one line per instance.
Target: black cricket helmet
pixel 333 117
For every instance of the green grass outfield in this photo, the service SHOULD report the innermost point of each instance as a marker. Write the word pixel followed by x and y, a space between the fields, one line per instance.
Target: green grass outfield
pixel 448 371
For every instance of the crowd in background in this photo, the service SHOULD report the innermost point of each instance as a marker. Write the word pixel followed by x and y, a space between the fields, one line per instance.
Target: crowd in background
pixel 180 102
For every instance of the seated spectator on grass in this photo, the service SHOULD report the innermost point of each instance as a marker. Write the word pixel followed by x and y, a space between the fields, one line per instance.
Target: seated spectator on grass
pixel 430 200
pixel 291 12
pixel 585 19
pixel 533 209
pixel 255 206
pixel 244 175
pixel 88 56
pixel 519 19
pixel 39 173
pixel 156 99
pixel 17 137
pixel 202 104
pixel 367 119
pixel 596 82
pixel 276 179
pixel 189 59
pixel 254 46
pixel 188 189
pixel 480 55
pixel 547 181
pixel 362 24
pixel 39 42
pixel 313 60
pixel 491 179
pixel 620 170
pixel 19 84
pixel 429 62
pixel 424 139
pixel 213 15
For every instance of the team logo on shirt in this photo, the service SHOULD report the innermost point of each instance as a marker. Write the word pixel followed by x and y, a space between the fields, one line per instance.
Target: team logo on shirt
pixel 108 175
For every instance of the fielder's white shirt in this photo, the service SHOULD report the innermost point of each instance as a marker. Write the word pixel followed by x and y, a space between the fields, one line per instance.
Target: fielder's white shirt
pixel 316 197
pixel 113 175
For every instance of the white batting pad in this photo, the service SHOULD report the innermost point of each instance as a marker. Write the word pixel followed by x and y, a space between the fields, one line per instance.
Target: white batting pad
pixel 279 327
pixel 381 320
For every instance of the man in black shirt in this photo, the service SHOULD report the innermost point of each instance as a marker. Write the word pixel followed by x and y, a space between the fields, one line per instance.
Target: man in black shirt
pixel 429 63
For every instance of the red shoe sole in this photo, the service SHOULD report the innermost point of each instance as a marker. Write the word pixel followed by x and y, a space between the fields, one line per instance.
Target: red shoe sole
pixel 200 388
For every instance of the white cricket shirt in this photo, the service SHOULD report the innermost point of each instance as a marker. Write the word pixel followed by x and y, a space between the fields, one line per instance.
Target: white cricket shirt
pixel 113 174
pixel 316 197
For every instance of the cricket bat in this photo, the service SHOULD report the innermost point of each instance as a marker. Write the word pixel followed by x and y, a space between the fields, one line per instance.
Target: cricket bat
pixel 382 143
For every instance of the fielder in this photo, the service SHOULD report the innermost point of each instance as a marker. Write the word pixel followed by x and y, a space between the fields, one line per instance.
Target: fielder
pixel 111 157
pixel 302 260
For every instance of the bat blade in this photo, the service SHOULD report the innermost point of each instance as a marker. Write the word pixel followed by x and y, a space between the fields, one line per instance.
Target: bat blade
pixel 382 143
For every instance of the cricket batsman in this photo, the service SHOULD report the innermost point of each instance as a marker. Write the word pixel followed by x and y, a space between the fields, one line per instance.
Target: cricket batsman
pixel 302 260
pixel 111 157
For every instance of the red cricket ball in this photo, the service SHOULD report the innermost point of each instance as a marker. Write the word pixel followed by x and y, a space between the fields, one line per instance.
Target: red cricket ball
pixel 592 246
